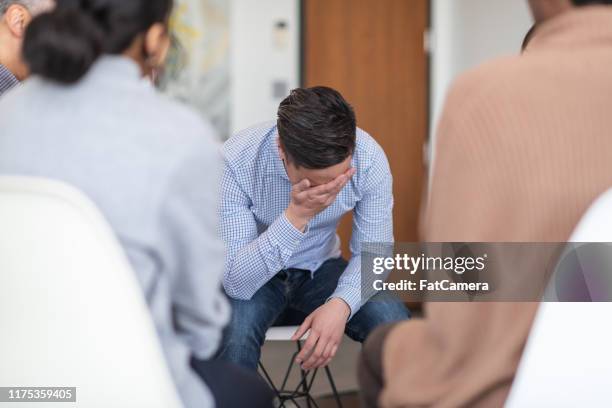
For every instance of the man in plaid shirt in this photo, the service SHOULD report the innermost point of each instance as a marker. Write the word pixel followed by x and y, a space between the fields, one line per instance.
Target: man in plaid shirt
pixel 285 187
pixel 15 16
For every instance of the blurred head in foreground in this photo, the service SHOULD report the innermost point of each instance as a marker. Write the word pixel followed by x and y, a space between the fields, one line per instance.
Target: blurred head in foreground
pixel 62 45
pixel 545 9
pixel 15 16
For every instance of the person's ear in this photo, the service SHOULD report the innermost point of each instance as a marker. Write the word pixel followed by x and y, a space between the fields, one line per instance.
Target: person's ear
pixel 17 18
pixel 281 152
pixel 157 44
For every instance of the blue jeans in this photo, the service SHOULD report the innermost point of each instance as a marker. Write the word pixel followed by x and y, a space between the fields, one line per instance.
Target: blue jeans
pixel 287 299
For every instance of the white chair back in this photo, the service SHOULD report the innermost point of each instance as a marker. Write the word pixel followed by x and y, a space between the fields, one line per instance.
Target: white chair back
pixel 72 313
pixel 568 359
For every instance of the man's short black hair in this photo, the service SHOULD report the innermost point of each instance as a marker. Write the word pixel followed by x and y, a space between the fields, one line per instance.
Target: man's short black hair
pixel 317 127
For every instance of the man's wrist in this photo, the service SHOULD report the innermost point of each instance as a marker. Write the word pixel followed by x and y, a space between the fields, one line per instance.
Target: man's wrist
pixel 344 303
pixel 298 221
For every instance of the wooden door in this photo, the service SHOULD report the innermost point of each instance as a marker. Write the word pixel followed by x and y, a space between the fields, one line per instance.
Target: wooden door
pixel 372 51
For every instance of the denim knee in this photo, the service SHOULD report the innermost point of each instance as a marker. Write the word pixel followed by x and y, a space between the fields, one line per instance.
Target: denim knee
pixel 247 326
pixel 377 311
pixel 245 334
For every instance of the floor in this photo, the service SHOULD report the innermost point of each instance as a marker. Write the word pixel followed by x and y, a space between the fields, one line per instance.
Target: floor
pixel 276 357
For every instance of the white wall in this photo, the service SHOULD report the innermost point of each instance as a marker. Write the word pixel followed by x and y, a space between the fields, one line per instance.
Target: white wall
pixel 261 56
pixel 464 34
pixel 468 32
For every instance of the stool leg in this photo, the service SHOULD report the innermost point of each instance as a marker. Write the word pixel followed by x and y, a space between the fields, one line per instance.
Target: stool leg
pixel 333 386
pixel 288 372
pixel 304 382
pixel 270 382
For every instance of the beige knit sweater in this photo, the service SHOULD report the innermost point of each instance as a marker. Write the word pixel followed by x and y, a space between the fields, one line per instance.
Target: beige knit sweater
pixel 524 146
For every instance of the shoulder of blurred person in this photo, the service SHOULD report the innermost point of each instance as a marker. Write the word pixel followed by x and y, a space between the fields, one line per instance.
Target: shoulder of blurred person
pixel 569 47
pixel 131 106
pixel 118 135
pixel 188 128
pixel 490 81
pixel 503 124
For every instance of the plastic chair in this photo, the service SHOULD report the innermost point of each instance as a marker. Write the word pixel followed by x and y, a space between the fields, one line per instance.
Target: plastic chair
pixel 567 362
pixel 72 313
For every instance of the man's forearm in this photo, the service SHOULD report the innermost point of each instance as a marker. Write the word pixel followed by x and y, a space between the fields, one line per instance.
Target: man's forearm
pixel 349 286
pixel 251 266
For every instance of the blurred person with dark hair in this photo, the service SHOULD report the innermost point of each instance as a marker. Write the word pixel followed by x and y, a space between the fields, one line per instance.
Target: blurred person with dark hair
pixel 285 187
pixel 523 149
pixel 88 117
pixel 15 15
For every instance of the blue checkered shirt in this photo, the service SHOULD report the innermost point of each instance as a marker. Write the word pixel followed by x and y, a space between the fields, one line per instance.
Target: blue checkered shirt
pixel 7 80
pixel 261 241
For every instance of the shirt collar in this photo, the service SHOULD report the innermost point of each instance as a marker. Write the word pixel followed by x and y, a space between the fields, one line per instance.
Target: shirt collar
pixel 278 165
pixel 7 79
pixel 581 27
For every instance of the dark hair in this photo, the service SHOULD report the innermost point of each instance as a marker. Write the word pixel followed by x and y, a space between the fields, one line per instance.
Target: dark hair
pixel 590 2
pixel 316 127
pixel 528 37
pixel 62 45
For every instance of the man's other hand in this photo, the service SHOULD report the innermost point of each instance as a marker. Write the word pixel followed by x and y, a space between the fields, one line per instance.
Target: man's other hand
pixel 326 326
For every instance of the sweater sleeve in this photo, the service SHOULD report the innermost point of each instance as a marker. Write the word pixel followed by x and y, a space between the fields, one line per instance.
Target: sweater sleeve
pixel 192 251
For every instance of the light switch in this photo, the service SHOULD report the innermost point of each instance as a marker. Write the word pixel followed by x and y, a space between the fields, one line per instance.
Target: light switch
pixel 280 89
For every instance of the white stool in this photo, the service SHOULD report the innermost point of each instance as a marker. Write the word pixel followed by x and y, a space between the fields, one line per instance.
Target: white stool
pixel 284 333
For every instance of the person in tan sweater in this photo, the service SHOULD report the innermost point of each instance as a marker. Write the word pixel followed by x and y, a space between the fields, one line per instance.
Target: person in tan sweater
pixel 524 146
